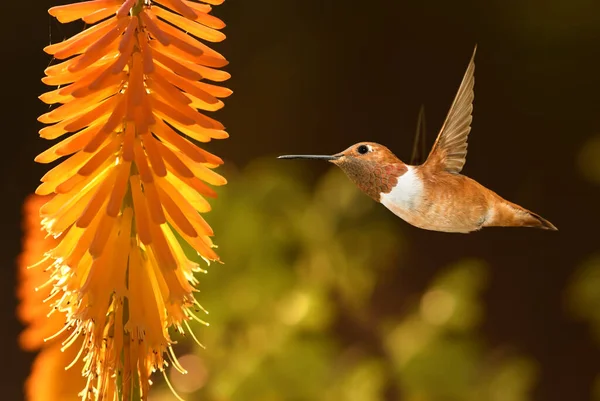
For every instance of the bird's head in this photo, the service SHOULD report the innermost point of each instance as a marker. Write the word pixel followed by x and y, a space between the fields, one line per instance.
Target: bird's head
pixel 372 167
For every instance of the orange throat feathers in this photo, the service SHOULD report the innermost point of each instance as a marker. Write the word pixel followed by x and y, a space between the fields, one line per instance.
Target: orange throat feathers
pixel 372 177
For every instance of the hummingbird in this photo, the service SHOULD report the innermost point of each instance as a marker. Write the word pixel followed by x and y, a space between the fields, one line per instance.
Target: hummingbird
pixel 433 195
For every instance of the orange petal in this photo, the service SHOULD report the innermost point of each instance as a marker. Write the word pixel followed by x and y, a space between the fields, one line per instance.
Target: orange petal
pixel 203 172
pixel 78 43
pixel 116 118
pixel 94 205
pixel 65 169
pixel 128 142
pixel 174 162
pixel 185 85
pixel 201 245
pixel 127 42
pixel 203 17
pixel 207 72
pixel 161 248
pixel 75 257
pixel 71 12
pixel 167 134
pixel 77 106
pixel 102 233
pixel 199 133
pixel 125 8
pixel 121 61
pixel 194 28
pixel 210 21
pixel 68 146
pixel 180 40
pixel 156 160
pixel 154 29
pixel 153 202
pixel 126 45
pixel 148 59
pixel 140 211
pixel 214 2
pixel 202 105
pixel 182 224
pixel 204 59
pixel 67 201
pixel 135 90
pixel 198 7
pixel 60 77
pixel 100 47
pixel 200 187
pixel 60 72
pixel 186 109
pixel 69 184
pixel 170 113
pixel 176 67
pixel 206 50
pixel 141 162
pixel 100 14
pixel 121 256
pixel 166 90
pixel 85 78
pixel 167 190
pixel 180 7
pixel 96 141
pixel 54 96
pixel 143 116
pixel 77 141
pixel 216 91
pixel 58 130
pixel 116 197
pixel 207 122
pixel 104 80
pixel 108 151
pixel 103 109
pixel 190 194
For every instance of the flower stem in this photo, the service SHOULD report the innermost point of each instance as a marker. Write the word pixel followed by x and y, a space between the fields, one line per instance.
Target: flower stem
pixel 137 8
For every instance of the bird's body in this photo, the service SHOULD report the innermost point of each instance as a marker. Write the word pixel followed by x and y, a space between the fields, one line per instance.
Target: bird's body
pixel 434 195
pixel 463 206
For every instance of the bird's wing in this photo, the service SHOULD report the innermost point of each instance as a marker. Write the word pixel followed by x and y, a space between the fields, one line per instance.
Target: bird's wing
pixel 449 151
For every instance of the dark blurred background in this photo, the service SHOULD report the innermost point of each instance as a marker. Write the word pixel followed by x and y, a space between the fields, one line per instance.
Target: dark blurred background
pixel 315 76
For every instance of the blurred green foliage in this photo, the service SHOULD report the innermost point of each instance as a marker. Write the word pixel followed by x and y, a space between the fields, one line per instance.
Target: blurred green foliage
pixel 582 296
pixel 291 310
pixel 589 159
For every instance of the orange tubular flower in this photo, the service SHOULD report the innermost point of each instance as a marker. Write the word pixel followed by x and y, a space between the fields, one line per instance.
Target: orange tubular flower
pixel 133 186
pixel 48 380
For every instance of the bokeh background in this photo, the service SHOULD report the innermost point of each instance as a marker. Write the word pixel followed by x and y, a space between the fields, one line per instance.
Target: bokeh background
pixel 324 295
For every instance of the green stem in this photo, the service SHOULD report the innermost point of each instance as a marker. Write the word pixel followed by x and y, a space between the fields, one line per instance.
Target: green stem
pixel 137 8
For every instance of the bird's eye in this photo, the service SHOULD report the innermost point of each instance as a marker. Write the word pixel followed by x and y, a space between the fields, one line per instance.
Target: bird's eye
pixel 362 149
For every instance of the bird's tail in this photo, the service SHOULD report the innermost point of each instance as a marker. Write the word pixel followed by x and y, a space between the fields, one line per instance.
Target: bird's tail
pixel 508 214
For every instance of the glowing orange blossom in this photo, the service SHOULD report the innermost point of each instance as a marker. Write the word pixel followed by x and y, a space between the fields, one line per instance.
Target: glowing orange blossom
pixel 133 186
pixel 49 381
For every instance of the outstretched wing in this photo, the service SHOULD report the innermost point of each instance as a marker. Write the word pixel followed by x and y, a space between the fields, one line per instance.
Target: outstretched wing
pixel 449 151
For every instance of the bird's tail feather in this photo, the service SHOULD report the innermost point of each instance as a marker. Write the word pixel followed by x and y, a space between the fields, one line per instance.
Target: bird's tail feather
pixel 508 214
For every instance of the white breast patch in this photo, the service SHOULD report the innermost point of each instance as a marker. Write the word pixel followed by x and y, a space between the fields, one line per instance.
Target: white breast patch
pixel 406 194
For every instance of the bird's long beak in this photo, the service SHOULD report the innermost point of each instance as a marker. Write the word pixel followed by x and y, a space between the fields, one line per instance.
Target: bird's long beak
pixel 319 157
